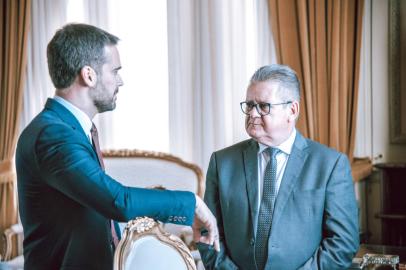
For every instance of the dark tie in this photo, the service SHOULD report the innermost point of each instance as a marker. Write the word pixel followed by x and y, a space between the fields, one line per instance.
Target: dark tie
pixel 266 210
pixel 96 146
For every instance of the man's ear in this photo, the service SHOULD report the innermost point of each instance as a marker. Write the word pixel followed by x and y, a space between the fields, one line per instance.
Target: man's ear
pixel 294 111
pixel 89 76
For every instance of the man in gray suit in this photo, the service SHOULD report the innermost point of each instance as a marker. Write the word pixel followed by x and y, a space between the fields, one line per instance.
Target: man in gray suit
pixel 281 201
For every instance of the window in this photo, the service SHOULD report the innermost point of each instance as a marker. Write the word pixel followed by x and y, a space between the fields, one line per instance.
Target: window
pixel 140 119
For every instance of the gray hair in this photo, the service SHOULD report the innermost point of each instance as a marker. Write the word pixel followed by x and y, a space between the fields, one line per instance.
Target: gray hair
pixel 73 47
pixel 284 76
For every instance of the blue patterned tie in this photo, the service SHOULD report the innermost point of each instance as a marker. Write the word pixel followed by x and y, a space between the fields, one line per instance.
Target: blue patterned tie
pixel 266 210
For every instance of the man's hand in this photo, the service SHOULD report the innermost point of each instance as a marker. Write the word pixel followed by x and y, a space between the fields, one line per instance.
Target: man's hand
pixel 205 219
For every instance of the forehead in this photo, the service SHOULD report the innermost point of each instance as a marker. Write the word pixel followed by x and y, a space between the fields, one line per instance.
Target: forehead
pixel 263 92
pixel 112 56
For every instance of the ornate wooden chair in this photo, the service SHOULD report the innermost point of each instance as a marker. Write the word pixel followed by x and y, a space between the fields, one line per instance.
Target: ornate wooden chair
pixel 12 239
pixel 144 245
pixel 149 169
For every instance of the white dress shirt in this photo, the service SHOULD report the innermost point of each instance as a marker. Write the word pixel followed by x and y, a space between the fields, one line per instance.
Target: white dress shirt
pixel 281 159
pixel 83 119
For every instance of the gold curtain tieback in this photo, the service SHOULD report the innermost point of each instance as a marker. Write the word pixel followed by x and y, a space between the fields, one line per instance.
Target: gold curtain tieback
pixel 6 170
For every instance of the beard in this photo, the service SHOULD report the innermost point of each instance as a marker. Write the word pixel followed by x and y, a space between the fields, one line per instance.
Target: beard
pixel 102 100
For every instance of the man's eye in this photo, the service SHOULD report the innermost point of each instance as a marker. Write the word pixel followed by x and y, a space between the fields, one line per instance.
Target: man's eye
pixel 263 106
pixel 250 105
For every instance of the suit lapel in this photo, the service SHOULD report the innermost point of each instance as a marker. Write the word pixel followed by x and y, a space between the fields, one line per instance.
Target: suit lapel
pixel 65 115
pixel 293 169
pixel 251 178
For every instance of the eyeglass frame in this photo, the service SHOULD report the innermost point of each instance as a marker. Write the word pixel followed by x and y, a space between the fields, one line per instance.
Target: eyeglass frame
pixel 270 105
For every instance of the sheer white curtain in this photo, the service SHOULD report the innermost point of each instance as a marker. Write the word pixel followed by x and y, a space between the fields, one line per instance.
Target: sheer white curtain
pixel 266 52
pixel 46 17
pixel 214 47
pixel 141 118
pixel 363 137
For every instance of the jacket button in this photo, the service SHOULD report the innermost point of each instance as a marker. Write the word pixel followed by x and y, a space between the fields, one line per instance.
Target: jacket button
pixel 252 242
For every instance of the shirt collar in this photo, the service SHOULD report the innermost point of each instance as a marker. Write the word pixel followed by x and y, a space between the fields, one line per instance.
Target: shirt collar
pixel 285 147
pixel 84 120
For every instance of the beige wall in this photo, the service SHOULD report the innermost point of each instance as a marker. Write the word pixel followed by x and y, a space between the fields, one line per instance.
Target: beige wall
pixel 380 86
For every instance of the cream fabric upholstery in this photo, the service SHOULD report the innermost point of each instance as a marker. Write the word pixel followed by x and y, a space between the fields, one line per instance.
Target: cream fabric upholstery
pixel 151 169
pixel 16 263
pixel 8 237
pixel 147 172
pixel 145 246
pixel 143 255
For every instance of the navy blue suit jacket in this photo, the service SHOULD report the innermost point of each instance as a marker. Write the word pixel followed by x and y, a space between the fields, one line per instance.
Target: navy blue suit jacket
pixel 315 219
pixel 66 200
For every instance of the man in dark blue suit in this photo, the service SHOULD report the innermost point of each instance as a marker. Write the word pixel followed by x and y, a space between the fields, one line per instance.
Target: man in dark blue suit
pixel 282 201
pixel 66 199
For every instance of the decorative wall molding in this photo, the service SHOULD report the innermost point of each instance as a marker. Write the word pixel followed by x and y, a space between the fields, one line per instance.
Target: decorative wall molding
pixel 397 71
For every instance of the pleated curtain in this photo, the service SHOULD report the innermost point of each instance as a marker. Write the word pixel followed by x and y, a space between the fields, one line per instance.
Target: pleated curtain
pixel 14 18
pixel 321 41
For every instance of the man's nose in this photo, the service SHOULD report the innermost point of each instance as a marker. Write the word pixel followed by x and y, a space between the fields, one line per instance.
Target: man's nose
pixel 120 81
pixel 254 112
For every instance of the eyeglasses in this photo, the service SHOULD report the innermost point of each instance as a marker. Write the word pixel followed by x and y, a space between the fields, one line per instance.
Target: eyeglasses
pixel 262 108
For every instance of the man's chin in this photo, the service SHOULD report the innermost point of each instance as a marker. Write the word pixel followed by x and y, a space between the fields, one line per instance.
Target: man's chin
pixel 106 108
pixel 254 132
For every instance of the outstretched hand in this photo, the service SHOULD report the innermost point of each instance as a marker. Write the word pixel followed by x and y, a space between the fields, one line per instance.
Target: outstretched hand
pixel 205 219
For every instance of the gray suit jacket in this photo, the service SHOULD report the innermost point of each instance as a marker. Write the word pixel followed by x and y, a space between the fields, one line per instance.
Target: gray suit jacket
pixel 315 219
